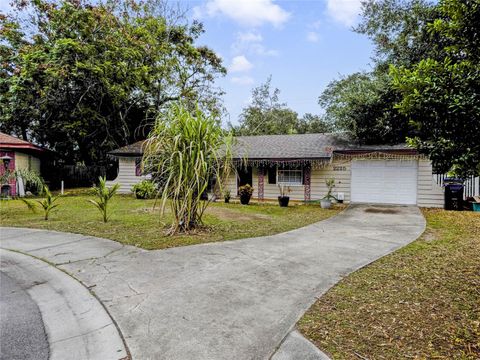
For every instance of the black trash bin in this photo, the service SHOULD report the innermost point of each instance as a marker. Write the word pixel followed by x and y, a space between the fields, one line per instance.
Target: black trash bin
pixel 453 194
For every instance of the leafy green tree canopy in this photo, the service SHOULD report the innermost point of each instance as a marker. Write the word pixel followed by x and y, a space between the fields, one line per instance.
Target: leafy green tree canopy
pixel 266 115
pixel 441 96
pixel 424 87
pixel 83 78
pixel 363 105
pixel 398 30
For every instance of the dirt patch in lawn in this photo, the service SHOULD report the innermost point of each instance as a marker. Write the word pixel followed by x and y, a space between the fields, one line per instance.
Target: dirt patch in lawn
pixel 381 211
pixel 226 214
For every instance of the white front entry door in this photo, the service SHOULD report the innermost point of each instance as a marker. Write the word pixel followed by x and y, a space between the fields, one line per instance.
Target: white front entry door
pixel 384 181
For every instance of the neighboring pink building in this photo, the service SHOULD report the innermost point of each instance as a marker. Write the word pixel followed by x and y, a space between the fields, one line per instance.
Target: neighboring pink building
pixel 16 154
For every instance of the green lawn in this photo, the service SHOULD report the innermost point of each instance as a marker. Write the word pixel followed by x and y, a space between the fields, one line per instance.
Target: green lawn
pixel 135 222
pixel 421 302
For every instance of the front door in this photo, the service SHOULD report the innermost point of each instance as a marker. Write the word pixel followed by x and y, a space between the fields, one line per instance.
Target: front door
pixel 245 176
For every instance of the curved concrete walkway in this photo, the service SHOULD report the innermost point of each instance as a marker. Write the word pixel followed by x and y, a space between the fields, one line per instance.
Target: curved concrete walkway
pixel 77 326
pixel 231 300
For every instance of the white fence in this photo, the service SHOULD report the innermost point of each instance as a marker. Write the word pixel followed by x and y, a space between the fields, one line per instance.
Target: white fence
pixel 471 185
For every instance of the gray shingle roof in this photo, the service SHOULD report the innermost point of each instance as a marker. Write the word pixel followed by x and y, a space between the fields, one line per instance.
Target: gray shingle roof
pixel 296 146
pixel 287 146
pixel 135 149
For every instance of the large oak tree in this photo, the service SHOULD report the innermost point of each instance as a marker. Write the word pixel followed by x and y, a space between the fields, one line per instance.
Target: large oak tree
pixel 83 78
pixel 441 94
pixel 424 87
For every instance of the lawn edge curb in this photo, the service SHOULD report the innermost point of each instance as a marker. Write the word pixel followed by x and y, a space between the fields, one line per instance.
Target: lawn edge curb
pixel 52 269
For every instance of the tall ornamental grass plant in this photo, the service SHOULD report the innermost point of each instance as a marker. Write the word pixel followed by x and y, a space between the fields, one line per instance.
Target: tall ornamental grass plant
pixel 186 150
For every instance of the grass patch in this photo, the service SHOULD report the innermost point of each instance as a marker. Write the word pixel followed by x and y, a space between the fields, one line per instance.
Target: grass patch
pixel 135 222
pixel 421 302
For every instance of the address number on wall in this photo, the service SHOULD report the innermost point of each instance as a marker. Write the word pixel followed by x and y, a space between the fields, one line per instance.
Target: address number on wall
pixel 339 168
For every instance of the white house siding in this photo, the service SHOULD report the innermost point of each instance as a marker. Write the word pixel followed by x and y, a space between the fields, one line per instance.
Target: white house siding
pixel 26 162
pixel 126 175
pixel 429 194
pixel 231 185
pixel 272 191
pixel 338 170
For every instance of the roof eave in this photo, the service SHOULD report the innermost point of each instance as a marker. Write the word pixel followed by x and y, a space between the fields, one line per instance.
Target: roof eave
pixel 22 147
pixel 125 154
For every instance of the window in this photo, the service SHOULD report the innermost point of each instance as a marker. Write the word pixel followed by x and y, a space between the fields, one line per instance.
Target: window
pixel 290 177
pixel 138 167
pixel 272 175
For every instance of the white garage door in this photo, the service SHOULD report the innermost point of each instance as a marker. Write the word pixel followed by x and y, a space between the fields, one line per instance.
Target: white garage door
pixel 384 181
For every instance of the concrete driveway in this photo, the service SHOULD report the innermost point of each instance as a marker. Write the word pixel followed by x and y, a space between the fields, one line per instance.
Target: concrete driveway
pixel 230 300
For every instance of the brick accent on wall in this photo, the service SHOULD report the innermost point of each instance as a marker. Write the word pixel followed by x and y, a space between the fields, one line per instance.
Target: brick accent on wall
pixel 11 167
pixel 307 176
pixel 261 183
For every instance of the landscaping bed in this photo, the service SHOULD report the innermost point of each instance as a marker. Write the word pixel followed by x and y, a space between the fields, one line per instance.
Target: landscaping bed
pixel 421 302
pixel 136 222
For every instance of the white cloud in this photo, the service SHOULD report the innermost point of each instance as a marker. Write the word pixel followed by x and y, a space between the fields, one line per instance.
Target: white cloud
pixel 344 11
pixel 245 12
pixel 249 37
pixel 243 80
pixel 261 50
pixel 251 42
pixel 240 64
pixel 313 36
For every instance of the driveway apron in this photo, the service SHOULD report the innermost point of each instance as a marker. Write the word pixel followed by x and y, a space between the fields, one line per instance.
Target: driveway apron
pixel 229 300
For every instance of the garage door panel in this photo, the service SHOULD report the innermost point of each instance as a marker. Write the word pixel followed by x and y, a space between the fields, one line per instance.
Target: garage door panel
pixel 384 181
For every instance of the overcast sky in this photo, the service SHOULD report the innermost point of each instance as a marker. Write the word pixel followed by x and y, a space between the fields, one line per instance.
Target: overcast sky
pixel 302 44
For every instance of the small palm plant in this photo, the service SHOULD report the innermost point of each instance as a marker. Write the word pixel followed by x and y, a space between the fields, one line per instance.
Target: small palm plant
pixel 47 204
pixel 326 201
pixel 103 194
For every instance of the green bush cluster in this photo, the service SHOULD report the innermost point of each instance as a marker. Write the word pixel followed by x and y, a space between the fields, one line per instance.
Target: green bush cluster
pixel 145 189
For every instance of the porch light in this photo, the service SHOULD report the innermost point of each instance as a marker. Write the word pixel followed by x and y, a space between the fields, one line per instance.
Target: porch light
pixel 6 161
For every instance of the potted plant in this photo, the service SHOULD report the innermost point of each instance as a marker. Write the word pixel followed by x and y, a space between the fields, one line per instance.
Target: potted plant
pixel 326 201
pixel 226 196
pixel 145 189
pixel 283 199
pixel 245 192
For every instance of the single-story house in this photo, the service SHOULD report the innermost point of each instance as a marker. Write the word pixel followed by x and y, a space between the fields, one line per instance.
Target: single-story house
pixel 17 154
pixel 129 166
pixel 383 174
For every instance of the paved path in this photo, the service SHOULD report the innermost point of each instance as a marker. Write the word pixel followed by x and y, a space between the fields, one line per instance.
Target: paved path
pixel 231 300
pixel 61 319
pixel 22 335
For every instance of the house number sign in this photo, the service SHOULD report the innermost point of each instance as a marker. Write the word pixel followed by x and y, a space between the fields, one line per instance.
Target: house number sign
pixel 339 168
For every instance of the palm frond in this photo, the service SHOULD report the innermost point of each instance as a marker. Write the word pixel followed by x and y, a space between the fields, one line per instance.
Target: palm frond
pixel 30 205
pixel 104 195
